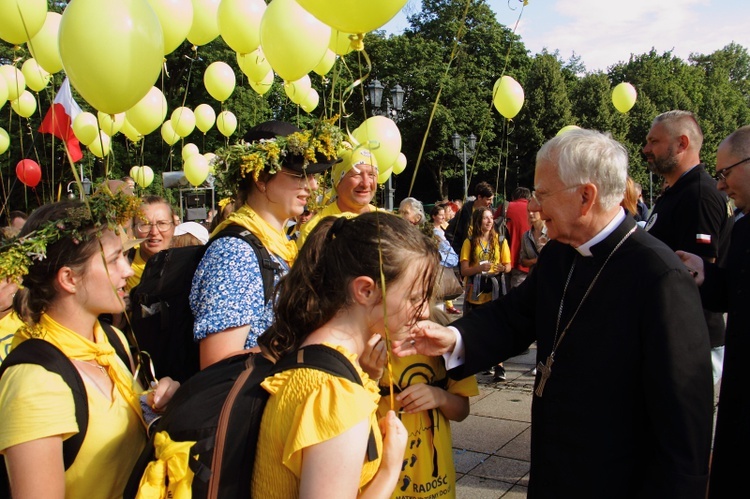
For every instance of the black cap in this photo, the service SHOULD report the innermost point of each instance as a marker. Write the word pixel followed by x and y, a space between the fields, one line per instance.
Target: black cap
pixel 272 129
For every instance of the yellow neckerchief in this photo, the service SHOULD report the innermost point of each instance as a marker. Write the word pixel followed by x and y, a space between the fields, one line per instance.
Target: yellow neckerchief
pixel 274 240
pixel 75 346
pixel 138 264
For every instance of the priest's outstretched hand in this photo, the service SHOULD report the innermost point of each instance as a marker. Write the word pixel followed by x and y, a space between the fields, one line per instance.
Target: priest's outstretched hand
pixel 426 338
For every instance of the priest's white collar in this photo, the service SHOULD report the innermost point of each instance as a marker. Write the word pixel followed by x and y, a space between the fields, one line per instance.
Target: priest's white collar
pixel 585 248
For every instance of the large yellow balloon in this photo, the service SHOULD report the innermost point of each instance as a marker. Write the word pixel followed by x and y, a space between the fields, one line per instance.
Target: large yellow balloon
pixel 183 121
pixel 101 145
pixel 44 47
pixel 110 123
pixel 340 42
pixel 507 96
pixel 130 132
pixel 36 77
pixel 175 18
pixel 149 112
pixel 188 150
pixel 4 141
pixel 326 63
pixel 85 127
pixel 142 175
pixel 205 22
pixel 239 23
pixel 264 85
pixel 297 90
pixel 310 101
pixel 226 122
pixel 16 83
pixel 25 105
pixel 112 51
pixel 21 19
pixel 205 117
pixel 384 175
pixel 196 169
pixel 624 96
pixel 381 136
pixel 168 133
pixel 219 80
pixel 293 40
pixel 254 64
pixel 353 16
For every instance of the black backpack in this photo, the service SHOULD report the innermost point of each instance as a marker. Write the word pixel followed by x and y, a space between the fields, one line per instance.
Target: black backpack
pixel 161 318
pixel 45 354
pixel 220 409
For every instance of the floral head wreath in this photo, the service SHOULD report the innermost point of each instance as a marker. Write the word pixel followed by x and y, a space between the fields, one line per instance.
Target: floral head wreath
pixel 103 210
pixel 298 150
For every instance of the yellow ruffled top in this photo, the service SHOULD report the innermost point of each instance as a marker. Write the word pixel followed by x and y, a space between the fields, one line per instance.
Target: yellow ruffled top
pixel 307 407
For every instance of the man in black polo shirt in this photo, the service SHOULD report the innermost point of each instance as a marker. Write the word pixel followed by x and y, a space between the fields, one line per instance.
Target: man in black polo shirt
pixel 691 214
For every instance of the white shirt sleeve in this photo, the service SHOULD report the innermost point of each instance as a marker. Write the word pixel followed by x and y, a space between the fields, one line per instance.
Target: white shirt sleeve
pixel 456 357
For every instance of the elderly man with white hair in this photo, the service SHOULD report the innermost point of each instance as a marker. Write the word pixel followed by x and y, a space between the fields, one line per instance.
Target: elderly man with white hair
pixel 622 405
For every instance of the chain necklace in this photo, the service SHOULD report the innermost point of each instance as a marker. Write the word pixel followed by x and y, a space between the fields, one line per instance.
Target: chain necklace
pixel 546 369
pixel 95 364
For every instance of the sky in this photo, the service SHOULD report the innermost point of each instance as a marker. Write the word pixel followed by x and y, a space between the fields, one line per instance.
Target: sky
pixel 605 32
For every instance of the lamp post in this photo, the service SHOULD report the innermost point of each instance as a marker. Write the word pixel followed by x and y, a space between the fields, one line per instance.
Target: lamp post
pixel 393 108
pixel 459 149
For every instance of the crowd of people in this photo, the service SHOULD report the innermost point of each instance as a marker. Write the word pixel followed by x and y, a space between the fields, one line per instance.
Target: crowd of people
pixel 544 267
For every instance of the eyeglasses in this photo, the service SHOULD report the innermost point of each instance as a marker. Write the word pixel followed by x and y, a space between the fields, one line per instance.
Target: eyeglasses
pixel 723 173
pixel 304 180
pixel 161 225
pixel 539 198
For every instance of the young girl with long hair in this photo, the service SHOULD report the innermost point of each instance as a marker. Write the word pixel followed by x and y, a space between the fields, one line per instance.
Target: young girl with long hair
pixel 355 281
pixel 75 271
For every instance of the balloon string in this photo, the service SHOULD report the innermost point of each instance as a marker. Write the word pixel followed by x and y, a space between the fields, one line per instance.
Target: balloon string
pixel 386 332
pixel 454 54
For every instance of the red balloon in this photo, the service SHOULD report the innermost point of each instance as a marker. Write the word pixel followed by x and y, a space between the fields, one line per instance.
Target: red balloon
pixel 29 172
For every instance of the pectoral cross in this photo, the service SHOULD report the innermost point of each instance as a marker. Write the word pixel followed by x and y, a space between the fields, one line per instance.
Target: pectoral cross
pixel 545 370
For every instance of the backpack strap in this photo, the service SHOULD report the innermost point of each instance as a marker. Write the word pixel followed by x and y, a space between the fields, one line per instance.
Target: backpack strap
pixel 268 268
pixel 116 343
pixel 45 354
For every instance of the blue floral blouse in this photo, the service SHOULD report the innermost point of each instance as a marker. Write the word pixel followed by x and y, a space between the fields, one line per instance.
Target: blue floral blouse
pixel 227 291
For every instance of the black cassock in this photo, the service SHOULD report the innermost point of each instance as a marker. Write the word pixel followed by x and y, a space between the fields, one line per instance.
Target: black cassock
pixel 627 409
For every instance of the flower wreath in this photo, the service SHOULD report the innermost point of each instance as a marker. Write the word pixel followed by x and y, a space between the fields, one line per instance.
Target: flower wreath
pixel 104 210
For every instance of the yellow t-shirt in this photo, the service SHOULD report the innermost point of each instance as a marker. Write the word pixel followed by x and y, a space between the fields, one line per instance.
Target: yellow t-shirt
pixel 306 407
pixel 332 210
pixel 35 403
pixel 138 265
pixel 8 326
pixel 429 470
pixel 501 255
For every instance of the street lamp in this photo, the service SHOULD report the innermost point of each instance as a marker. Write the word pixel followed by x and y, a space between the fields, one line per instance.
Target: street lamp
pixel 393 108
pixel 459 149
pixel 85 182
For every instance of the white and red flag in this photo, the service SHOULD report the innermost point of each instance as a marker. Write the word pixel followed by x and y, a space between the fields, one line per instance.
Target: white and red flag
pixel 59 120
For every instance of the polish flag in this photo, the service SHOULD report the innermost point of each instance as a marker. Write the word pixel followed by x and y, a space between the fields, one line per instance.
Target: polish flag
pixel 703 238
pixel 59 120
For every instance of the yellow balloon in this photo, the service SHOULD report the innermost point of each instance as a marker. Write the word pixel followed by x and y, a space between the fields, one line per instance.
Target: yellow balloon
pixel 3 92
pixel 205 25
pixel 310 101
pixel 25 105
pixel 168 134
pixel 507 96
pixel 142 175
pixel 16 83
pixel 567 128
pixel 254 64
pixel 112 51
pixel 188 150
pixel 624 96
pixel 196 169
pixel 85 127
pixel 4 141
pixel 226 122
pixel 293 40
pixel 205 117
pixel 21 20
pixel 239 23
pixel 297 90
pixel 44 47
pixel 353 16
pixel 36 77
pixel 219 80
pixel 264 85
pixel 149 112
pixel 326 63
pixel 130 132
pixel 384 175
pixel 101 145
pixel 340 42
pixel 175 18
pixel 183 121
pixel 381 136
pixel 400 165
pixel 110 123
